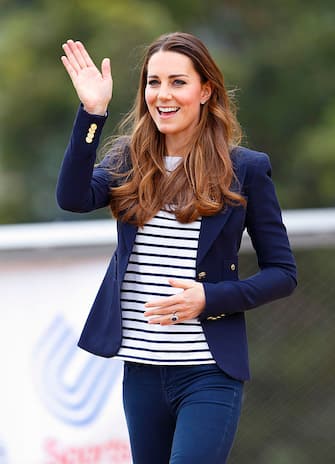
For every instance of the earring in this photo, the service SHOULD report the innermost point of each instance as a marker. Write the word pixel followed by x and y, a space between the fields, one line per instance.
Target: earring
pixel 205 101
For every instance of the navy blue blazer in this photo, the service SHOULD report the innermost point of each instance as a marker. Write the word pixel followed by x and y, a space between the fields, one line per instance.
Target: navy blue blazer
pixel 84 187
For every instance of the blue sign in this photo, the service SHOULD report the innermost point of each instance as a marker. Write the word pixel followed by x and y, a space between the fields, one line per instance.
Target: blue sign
pixel 73 385
pixel 3 454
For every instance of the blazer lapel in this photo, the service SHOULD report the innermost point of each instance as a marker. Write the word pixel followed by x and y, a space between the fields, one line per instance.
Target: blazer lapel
pixel 126 238
pixel 128 234
pixel 210 229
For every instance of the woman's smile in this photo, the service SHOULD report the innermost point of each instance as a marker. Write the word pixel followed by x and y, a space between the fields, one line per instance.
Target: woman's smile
pixel 166 112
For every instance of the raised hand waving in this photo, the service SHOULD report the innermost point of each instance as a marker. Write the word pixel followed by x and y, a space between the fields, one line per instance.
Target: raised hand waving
pixel 94 87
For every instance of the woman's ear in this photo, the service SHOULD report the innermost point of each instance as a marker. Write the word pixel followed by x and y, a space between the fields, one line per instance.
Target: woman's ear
pixel 206 93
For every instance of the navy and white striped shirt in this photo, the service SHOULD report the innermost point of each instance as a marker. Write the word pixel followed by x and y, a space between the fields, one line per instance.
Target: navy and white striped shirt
pixel 163 248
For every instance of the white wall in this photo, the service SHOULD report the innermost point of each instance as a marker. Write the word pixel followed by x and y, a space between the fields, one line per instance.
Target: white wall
pixel 59 405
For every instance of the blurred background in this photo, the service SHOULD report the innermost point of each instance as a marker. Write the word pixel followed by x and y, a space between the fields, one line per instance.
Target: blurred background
pixel 279 57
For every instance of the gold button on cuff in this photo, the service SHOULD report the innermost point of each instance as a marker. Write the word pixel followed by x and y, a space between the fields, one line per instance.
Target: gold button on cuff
pixel 216 318
pixel 91 132
pixel 202 275
pixel 232 267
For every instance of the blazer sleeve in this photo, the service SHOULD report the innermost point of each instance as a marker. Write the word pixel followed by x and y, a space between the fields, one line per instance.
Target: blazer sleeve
pixel 277 269
pixel 81 186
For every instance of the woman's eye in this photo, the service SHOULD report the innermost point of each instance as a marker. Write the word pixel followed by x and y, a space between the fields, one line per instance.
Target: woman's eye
pixel 179 82
pixel 153 82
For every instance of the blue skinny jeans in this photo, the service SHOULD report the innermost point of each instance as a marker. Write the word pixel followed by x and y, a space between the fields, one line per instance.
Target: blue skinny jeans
pixel 180 414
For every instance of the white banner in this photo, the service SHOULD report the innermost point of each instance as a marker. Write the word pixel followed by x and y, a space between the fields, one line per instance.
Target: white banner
pixel 59 405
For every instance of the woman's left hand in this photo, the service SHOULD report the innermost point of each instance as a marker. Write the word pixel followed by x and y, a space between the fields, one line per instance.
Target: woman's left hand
pixel 185 305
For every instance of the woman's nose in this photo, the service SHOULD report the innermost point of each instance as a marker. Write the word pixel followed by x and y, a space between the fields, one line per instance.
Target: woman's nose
pixel 164 93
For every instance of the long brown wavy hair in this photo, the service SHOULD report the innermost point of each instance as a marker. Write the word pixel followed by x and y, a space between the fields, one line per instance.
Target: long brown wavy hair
pixel 201 185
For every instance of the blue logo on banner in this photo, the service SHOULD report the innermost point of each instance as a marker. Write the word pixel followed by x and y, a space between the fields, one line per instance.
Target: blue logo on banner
pixel 73 384
pixel 3 454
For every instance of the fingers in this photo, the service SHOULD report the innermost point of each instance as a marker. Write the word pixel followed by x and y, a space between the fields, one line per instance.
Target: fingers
pixel 84 54
pixel 160 311
pixel 77 55
pixel 165 302
pixel 188 304
pixel 106 69
pixel 69 68
pixel 68 48
pixel 76 52
pixel 166 318
pixel 77 59
pixel 181 283
pixel 173 299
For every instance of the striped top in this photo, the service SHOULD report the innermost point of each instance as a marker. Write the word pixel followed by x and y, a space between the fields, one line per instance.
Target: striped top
pixel 163 248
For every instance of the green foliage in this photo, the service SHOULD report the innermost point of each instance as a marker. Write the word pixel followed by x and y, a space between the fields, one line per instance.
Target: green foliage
pixel 37 100
pixel 278 54
pixel 315 162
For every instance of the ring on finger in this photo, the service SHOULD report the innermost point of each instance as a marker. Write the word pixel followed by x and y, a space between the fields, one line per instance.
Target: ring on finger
pixel 174 317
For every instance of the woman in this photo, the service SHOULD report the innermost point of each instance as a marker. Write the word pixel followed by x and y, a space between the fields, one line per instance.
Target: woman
pixel 183 190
